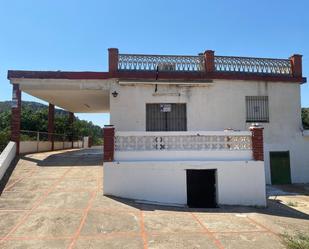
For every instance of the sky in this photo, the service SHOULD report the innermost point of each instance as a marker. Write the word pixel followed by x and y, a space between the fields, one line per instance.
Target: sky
pixel 74 35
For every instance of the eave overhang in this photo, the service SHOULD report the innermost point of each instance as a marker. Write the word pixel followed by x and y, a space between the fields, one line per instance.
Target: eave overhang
pixel 150 75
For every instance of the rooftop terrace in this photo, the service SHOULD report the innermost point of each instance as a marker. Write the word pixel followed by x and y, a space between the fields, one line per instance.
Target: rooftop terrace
pixel 204 66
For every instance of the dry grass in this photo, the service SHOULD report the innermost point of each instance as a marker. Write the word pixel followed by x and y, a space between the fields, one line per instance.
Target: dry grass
pixel 298 241
pixel 292 204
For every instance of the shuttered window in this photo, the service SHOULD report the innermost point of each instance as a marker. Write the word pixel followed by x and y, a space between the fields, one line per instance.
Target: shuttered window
pixel 257 109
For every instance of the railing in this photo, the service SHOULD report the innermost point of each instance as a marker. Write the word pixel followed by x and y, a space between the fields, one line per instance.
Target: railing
pixel 248 65
pixel 252 65
pixel 26 135
pixel 182 141
pixel 128 62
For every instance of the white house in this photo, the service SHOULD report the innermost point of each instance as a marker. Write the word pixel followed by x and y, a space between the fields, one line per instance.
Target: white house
pixel 180 129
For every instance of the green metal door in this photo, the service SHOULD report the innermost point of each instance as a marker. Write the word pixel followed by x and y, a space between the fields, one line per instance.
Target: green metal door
pixel 280 167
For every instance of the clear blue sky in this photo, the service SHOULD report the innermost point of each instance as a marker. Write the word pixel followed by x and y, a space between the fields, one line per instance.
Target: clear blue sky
pixel 75 34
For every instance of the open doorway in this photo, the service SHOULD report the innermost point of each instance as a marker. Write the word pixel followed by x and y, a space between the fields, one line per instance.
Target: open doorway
pixel 201 188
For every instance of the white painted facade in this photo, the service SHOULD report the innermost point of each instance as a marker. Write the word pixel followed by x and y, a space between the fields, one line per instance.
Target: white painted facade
pixel 211 108
pixel 218 105
pixel 154 169
pixel 165 181
pixel 142 171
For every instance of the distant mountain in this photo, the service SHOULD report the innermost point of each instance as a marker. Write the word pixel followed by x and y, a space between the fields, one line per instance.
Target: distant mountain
pixel 35 106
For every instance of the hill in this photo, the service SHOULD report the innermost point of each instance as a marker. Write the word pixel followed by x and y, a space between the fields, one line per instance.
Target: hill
pixel 35 106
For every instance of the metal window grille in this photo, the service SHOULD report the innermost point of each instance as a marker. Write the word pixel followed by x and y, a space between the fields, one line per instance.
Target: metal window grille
pixel 173 118
pixel 257 109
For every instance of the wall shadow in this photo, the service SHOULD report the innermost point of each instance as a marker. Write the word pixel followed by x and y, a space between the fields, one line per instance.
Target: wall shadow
pixel 8 174
pixel 274 208
pixel 82 157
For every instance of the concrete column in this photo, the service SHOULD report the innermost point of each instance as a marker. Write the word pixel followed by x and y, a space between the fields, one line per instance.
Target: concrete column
pixel 113 59
pixel 296 64
pixel 257 142
pixel 109 143
pixel 16 116
pixel 71 121
pixel 51 124
pixel 209 60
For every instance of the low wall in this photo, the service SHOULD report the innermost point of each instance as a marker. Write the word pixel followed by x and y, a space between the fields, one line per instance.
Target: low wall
pixel 86 142
pixel 58 145
pixel 67 145
pixel 78 144
pixel 6 157
pixel 238 182
pixel 34 146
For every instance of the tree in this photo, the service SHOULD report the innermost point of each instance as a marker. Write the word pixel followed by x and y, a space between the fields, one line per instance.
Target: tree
pixel 305 117
pixel 34 117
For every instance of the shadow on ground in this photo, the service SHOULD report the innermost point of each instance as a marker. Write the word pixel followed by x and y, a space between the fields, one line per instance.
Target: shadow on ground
pixel 275 208
pixel 8 174
pixel 94 157
pixel 84 157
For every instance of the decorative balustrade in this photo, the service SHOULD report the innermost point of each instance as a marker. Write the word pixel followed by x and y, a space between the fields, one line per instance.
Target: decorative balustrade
pixel 182 141
pixel 160 62
pixel 140 62
pixel 252 65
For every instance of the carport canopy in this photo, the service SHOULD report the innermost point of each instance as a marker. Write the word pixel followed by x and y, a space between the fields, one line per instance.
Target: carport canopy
pixel 74 92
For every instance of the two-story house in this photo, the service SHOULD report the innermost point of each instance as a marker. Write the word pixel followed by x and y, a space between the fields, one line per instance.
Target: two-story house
pixel 198 130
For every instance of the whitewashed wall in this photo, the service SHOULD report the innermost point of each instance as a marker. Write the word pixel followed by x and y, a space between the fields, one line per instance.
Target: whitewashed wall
pixel 221 105
pixel 34 146
pixel 86 142
pixel 58 145
pixel 238 182
pixel 6 157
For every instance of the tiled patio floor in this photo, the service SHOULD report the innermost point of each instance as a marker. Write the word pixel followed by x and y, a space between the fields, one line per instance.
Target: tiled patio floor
pixel 55 200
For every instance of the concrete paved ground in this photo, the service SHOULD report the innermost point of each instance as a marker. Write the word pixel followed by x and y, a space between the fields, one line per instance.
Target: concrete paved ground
pixel 54 200
pixel 295 196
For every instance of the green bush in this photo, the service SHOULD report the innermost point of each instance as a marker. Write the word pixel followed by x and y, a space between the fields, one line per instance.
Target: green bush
pixel 4 139
pixel 305 117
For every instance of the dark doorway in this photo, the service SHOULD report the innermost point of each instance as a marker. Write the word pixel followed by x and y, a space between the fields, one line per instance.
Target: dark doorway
pixel 280 167
pixel 166 117
pixel 201 188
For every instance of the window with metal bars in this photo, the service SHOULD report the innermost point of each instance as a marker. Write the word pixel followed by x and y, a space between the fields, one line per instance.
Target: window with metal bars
pixel 166 117
pixel 257 109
